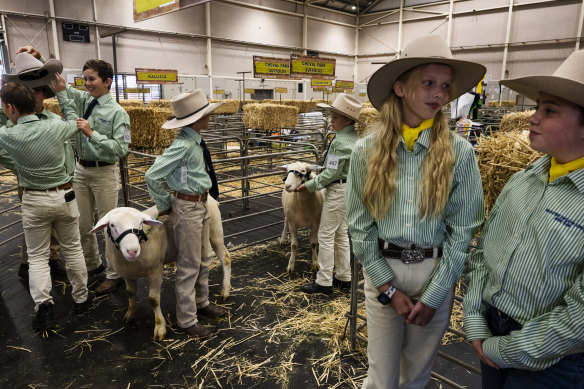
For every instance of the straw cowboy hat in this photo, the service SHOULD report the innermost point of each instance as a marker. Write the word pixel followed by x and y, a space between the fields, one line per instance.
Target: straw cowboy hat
pixel 345 105
pixel 189 107
pixel 567 82
pixel 31 72
pixel 423 50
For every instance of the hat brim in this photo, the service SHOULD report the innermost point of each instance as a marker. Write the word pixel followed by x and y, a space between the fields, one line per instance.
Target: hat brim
pixel 331 108
pixel 531 86
pixel 380 85
pixel 37 77
pixel 179 123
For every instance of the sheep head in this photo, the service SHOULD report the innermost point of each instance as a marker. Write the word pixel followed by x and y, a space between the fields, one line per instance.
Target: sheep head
pixel 298 173
pixel 124 226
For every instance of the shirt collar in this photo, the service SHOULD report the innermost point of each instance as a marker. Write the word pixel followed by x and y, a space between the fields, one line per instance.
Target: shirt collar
pixel 541 168
pixel 104 98
pixel 192 133
pixel 27 118
pixel 347 129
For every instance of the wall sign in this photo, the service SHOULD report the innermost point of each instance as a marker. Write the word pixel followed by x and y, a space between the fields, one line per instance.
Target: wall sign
pixel 268 67
pixel 311 67
pixel 156 76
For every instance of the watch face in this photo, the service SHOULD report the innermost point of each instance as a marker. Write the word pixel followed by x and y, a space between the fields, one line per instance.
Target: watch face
pixel 383 299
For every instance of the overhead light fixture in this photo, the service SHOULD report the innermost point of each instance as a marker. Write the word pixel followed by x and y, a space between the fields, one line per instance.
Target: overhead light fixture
pixel 353 7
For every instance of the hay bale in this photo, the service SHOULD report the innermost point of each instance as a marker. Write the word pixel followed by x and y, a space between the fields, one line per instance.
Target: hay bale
pixel 499 157
pixel 368 116
pixel 515 121
pixel 159 104
pixel 503 103
pixel 269 116
pixel 53 106
pixel 131 103
pixel 229 107
pixel 146 124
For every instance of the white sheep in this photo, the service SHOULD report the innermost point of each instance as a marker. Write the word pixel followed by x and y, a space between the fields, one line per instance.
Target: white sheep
pixel 301 209
pixel 134 258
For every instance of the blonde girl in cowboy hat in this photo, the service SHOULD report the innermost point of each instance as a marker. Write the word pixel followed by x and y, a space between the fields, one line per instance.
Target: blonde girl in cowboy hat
pixel 187 169
pixel 524 308
pixel 333 241
pixel 414 201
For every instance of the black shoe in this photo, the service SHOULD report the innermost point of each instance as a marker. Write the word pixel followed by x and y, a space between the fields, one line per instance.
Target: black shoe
pixel 341 284
pixel 23 271
pixel 45 317
pixel 92 274
pixel 196 330
pixel 79 308
pixel 316 288
pixel 211 310
pixel 57 267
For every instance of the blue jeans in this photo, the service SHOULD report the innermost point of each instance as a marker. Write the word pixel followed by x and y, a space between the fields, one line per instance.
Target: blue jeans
pixel 568 373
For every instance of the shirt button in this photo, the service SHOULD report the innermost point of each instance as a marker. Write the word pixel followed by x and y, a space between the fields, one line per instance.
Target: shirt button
pixel 408 225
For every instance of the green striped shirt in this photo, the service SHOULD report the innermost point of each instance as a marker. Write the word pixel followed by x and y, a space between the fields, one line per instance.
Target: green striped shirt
pixel 453 230
pixel 109 122
pixel 33 149
pixel 529 265
pixel 183 167
pixel 339 152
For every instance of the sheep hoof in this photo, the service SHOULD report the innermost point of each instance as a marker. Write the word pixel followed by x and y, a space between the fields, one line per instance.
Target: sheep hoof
pixel 159 332
pixel 129 318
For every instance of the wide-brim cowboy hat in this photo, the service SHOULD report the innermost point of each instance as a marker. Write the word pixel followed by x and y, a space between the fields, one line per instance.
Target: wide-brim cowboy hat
pixel 188 108
pixel 420 51
pixel 567 82
pixel 345 105
pixel 31 72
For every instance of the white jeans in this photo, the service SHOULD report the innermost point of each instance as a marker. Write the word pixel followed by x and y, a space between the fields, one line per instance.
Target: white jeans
pixel 43 211
pixel 190 222
pixel 333 240
pixel 401 355
pixel 95 187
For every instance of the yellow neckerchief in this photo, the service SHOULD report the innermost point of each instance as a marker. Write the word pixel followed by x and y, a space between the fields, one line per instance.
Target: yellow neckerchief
pixel 558 169
pixel 411 134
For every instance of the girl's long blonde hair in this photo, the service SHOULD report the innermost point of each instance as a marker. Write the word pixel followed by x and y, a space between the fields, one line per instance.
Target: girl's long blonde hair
pixel 382 169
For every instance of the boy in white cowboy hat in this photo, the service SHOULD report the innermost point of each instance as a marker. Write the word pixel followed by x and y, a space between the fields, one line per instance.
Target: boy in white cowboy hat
pixel 31 72
pixel 187 169
pixel 102 141
pixel 333 239
pixel 524 307
pixel 33 149
pixel 414 201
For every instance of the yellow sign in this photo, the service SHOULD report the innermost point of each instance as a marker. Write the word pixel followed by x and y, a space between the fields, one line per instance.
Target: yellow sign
pixel 219 91
pixel 281 90
pixel 344 84
pixel 319 89
pixel 137 90
pixel 317 83
pixel 362 94
pixel 78 81
pixel 328 92
pixel 312 67
pixel 338 90
pixel 349 91
pixel 267 67
pixel 249 90
pixel 156 76
pixel 145 9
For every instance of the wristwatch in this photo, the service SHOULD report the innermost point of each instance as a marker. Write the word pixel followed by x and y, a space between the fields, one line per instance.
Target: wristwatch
pixel 385 297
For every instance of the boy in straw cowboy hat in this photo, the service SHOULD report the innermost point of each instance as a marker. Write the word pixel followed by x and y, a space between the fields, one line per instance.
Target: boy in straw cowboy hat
pixel 414 201
pixel 187 169
pixel 524 307
pixel 31 72
pixel 333 240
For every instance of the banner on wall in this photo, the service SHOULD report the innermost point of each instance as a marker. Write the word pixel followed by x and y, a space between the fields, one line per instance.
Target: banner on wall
pixel 156 76
pixel 268 67
pixel 312 67
pixel 146 9
pixel 316 83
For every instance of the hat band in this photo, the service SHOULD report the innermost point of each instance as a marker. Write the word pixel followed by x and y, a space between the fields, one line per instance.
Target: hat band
pixel 33 75
pixel 191 114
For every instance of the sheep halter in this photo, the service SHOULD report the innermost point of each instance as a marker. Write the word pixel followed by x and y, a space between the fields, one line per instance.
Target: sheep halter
pixel 139 233
pixel 304 177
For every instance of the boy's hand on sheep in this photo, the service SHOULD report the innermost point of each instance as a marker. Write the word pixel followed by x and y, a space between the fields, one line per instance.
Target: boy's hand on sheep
pixel 301 188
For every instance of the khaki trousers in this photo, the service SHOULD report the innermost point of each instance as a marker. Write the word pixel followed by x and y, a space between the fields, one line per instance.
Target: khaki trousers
pixel 95 188
pixel 333 239
pixel 401 355
pixel 190 222
pixel 43 211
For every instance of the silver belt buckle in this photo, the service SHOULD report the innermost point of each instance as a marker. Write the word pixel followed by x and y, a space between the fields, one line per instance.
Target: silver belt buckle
pixel 412 256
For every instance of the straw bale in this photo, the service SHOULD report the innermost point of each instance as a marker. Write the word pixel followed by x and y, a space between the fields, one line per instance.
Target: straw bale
pixel 131 103
pixel 367 104
pixel 499 157
pixel 53 106
pixel 369 116
pixel 146 124
pixel 229 107
pixel 159 104
pixel 503 103
pixel 269 116
pixel 515 121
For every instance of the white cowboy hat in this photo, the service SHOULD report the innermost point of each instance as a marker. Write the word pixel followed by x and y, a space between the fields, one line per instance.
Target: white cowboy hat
pixel 31 72
pixel 420 51
pixel 345 105
pixel 189 107
pixel 567 82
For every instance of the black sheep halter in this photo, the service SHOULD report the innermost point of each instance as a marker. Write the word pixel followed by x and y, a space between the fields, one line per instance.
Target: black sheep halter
pixel 139 234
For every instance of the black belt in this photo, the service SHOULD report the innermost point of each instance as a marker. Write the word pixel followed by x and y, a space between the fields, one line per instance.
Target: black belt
pixel 60 187
pixel 407 255
pixel 340 181
pixel 88 163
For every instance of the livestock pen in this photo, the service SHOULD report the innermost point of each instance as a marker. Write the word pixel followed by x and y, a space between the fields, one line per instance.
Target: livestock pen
pixel 274 336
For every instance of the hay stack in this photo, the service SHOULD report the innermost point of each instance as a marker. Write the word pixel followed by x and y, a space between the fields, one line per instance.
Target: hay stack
pixel 503 103
pixel 146 125
pixel 499 157
pixel 53 106
pixel 515 121
pixel 368 116
pixel 269 116
pixel 302 105
pixel 159 104
pixel 131 103
pixel 229 107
